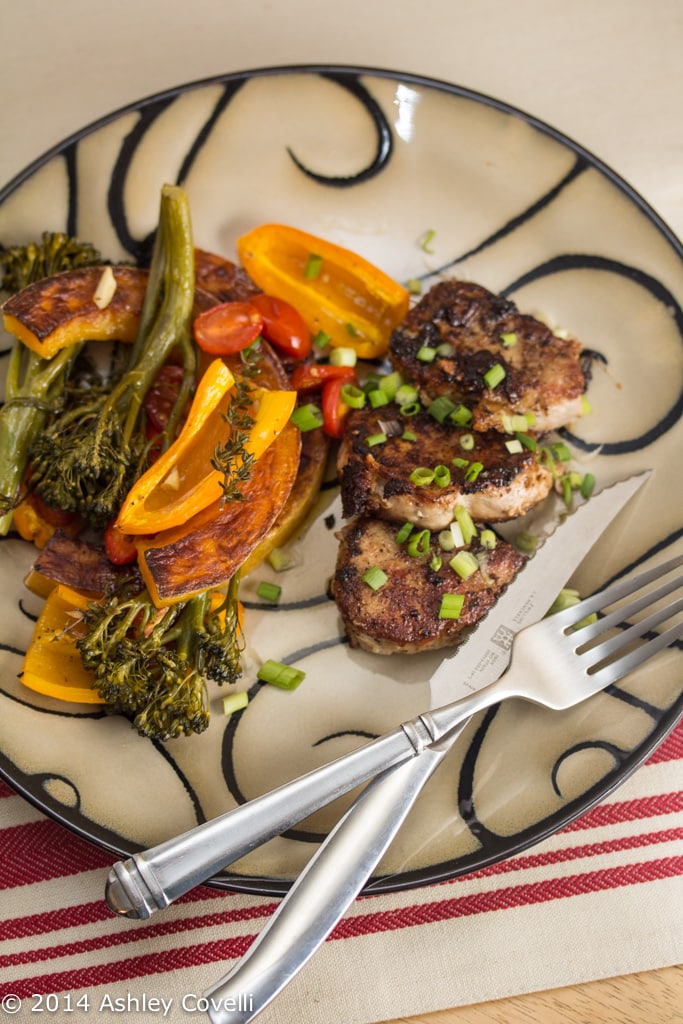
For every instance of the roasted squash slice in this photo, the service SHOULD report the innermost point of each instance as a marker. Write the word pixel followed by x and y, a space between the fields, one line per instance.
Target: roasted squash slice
pixel 61 310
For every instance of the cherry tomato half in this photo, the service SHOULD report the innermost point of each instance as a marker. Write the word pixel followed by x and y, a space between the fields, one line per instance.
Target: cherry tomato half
pixel 308 378
pixel 283 326
pixel 119 547
pixel 334 408
pixel 228 328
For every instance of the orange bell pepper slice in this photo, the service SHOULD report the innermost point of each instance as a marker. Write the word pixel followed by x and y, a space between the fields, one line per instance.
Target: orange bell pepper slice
pixel 335 290
pixel 182 481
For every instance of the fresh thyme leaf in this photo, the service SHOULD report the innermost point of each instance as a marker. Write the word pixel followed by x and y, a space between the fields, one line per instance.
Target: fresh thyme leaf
pixel 232 459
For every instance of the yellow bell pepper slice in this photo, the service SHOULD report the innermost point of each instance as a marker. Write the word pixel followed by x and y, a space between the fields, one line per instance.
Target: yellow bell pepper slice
pixel 336 291
pixel 183 481
pixel 53 665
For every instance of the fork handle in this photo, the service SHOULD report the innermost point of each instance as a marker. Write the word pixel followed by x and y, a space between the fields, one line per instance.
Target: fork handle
pixel 324 890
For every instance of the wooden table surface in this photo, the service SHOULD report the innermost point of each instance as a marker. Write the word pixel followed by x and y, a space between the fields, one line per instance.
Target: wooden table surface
pixel 652 997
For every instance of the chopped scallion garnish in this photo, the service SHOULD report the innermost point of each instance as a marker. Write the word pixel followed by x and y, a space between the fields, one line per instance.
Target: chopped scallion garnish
pixel 235 702
pixel 525 542
pixel 278 674
pixel 410 409
pixel 427 239
pixel 464 564
pixel 488 539
pixel 375 577
pixel 418 544
pixel 405 394
pixel 408 435
pixel 352 395
pixel 343 356
pixel 472 472
pixel 441 408
pixel 494 376
pixel 587 485
pixel 321 339
pixel 451 606
pixel 378 398
pixel 467 442
pixel 422 476
pixel 465 522
pixel 461 416
pixel 508 339
pixel 442 476
pixel 373 439
pixel 426 354
pixel 404 533
pixel 307 417
pixel 435 562
pixel 279 559
pixel 390 384
pixel 314 265
pixel 269 591
pixel 414 286
pixel 514 446
pixel 526 440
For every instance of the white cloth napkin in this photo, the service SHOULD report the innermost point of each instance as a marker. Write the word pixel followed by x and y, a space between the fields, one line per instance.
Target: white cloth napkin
pixel 601 898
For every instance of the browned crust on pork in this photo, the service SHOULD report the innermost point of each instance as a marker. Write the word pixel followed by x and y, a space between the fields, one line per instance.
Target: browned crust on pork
pixel 543 371
pixel 403 615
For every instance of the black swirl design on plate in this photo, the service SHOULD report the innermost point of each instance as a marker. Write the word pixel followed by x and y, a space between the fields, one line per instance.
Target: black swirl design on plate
pixel 617 754
pixel 384 137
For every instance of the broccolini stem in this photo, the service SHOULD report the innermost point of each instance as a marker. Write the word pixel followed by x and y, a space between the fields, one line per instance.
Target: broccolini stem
pixel 29 397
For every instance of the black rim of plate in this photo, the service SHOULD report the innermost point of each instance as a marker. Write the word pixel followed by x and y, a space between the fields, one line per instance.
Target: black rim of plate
pixel 498 847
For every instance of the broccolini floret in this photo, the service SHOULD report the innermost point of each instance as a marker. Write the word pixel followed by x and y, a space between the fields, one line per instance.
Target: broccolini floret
pixel 34 386
pixel 87 458
pixel 152 664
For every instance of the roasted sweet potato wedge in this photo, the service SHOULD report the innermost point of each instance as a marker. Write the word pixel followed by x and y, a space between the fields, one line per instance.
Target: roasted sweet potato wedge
pixel 208 551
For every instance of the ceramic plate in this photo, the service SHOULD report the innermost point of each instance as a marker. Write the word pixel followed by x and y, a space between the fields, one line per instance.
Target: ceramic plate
pixel 373 160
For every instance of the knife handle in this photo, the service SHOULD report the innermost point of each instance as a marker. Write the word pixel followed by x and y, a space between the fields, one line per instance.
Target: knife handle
pixel 324 890
pixel 152 879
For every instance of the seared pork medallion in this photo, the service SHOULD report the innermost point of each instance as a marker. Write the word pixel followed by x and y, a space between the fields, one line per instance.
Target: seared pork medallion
pixel 463 341
pixel 477 471
pixel 409 611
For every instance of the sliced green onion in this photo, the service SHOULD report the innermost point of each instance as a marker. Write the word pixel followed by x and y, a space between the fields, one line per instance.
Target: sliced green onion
pixel 465 522
pixel 410 409
pixel 526 440
pixel 525 542
pixel 314 264
pixel 465 564
pixel 509 339
pixel 426 241
pixel 566 598
pixel 235 702
pixel 495 376
pixel 512 424
pixel 406 394
pixel 451 606
pixel 352 395
pixel 435 562
pixel 458 541
pixel 279 559
pixel 371 382
pixel 269 591
pixel 391 384
pixel 587 485
pixel 459 462
pixel 514 446
pixel 441 408
pixel 373 439
pixel 414 286
pixel 473 470
pixel 446 540
pixel 343 356
pixel 418 544
pixel 467 442
pixel 307 417
pixel 408 435
pixel 426 354
pixel 375 577
pixel 445 350
pixel 278 674
pixel 461 416
pixel 378 398
pixel 442 476
pixel 404 533
pixel 488 539
pixel 321 339
pixel 422 476
pixel 560 451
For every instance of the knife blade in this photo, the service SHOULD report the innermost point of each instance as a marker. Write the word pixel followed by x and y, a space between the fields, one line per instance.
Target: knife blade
pixel 338 870
pixel 152 879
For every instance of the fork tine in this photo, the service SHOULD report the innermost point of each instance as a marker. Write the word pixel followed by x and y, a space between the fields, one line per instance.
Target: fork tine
pixel 646 600
pixel 614 593
pixel 633 632
pixel 617 669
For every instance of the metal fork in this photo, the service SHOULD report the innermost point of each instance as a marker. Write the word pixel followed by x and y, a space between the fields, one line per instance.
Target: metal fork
pixel 557 662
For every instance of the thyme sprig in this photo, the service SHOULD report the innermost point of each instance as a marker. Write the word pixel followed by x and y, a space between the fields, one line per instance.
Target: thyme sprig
pixel 232 459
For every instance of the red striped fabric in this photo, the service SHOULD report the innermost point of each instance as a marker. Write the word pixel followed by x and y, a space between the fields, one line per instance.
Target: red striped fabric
pixel 41 851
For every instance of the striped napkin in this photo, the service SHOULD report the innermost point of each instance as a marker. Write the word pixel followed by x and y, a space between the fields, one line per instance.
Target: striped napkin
pixel 601 898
